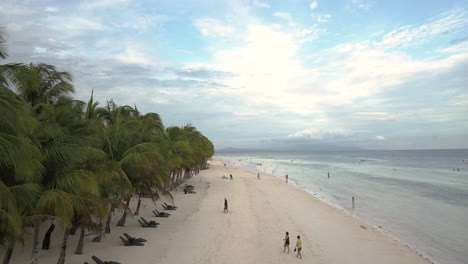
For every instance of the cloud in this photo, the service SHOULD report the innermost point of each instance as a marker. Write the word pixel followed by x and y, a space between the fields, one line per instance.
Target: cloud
pixel 267 77
pixel 213 27
pixel 283 15
pixel 380 137
pixel 322 135
pixel 313 5
pixel 321 18
pixel 51 9
pixel 413 35
pixel 105 3
pixel 261 4
pixel 133 54
pixel 360 4
pixel 203 73
pixel 78 24
pixel 458 40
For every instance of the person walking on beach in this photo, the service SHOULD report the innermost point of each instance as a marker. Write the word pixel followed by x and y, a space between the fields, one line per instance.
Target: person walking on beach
pixel 298 247
pixel 258 176
pixel 286 178
pixel 230 176
pixel 225 206
pixel 286 242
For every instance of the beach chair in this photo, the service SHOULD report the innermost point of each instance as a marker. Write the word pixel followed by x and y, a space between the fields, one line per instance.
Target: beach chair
pixel 168 206
pixel 160 214
pixel 144 223
pixel 131 239
pixel 99 261
pixel 130 243
pixel 165 207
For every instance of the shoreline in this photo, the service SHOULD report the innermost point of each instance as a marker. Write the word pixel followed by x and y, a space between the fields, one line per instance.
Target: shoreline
pixel 338 208
pixel 260 211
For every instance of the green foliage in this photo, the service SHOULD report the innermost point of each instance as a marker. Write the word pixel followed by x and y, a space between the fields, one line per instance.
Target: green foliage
pixel 74 161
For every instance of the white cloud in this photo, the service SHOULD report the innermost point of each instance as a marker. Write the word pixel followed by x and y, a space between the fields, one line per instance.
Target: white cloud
pixel 77 24
pixel 283 15
pixel 321 18
pixel 380 137
pixel 375 116
pixel 413 35
pixel 105 3
pixel 361 4
pixel 261 4
pixel 51 9
pixel 134 54
pixel 160 100
pixel 319 134
pixel 314 4
pixel 213 27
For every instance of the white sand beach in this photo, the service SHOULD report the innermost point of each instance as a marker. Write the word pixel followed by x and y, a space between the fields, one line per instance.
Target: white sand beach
pixel 260 212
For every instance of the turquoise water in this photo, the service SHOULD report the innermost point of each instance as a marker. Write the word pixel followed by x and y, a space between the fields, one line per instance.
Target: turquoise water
pixel 420 196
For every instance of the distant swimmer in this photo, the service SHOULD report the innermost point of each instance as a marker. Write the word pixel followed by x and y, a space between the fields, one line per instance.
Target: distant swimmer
pixel 286 177
pixel 352 200
pixel 328 175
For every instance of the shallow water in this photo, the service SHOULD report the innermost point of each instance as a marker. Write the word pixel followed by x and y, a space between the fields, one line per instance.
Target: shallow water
pixel 418 196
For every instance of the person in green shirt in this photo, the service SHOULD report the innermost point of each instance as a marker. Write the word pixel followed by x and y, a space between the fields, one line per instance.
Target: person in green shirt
pixel 298 247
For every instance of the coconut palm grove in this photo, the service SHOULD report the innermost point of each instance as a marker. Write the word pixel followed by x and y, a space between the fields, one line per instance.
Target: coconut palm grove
pixel 78 164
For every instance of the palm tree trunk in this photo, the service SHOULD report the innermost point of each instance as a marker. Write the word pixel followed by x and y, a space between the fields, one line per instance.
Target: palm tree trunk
pixel 124 216
pixel 35 248
pixel 79 247
pixel 46 240
pixel 97 239
pixel 63 252
pixel 137 211
pixel 8 251
pixel 111 212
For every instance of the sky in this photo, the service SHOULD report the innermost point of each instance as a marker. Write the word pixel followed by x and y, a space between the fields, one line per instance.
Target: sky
pixel 317 74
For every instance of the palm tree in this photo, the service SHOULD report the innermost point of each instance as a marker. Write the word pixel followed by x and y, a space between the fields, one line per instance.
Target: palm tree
pixel 38 84
pixel 63 159
pixel 20 169
pixel 3 53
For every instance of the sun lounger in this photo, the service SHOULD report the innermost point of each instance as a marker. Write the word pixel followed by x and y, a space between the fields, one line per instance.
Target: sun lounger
pixel 144 223
pixel 165 207
pixel 170 207
pixel 130 243
pixel 160 214
pixel 149 222
pixel 99 261
pixel 130 238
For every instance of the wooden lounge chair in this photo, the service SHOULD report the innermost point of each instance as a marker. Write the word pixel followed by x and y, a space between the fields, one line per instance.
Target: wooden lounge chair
pixel 168 206
pixel 99 261
pixel 149 222
pixel 130 238
pixel 165 207
pixel 160 214
pixel 144 223
pixel 130 243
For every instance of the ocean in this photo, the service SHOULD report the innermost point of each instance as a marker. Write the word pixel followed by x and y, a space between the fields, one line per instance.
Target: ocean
pixel 419 197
